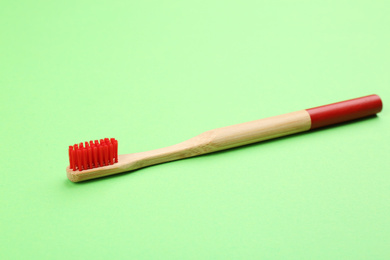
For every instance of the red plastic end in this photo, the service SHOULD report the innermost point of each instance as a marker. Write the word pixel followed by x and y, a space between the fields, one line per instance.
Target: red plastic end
pixel 93 155
pixel 344 111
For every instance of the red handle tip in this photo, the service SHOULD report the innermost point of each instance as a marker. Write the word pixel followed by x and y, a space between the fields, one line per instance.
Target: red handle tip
pixel 344 111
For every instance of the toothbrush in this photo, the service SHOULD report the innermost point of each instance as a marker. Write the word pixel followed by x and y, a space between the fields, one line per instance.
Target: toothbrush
pixel 100 158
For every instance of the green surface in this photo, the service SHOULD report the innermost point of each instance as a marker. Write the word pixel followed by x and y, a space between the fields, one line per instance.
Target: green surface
pixel 154 73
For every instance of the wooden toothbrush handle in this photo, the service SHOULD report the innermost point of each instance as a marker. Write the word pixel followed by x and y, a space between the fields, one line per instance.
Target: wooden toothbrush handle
pixel 259 130
pixel 225 138
pixel 295 122
pixel 263 129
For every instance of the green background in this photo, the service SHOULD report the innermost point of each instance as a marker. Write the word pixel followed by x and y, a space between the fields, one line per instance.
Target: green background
pixel 155 73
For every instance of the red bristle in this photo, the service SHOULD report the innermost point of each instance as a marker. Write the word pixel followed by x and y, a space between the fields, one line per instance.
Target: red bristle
pixel 100 155
pixel 90 143
pixel 93 164
pixel 96 142
pixel 95 156
pixel 110 153
pixel 116 150
pixel 71 165
pixel 90 162
pixel 79 160
pixel 101 141
pixel 75 156
pixel 106 140
pixel 105 154
pixel 85 158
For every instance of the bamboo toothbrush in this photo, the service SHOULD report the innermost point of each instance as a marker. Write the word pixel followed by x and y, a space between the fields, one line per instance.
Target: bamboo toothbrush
pixel 97 159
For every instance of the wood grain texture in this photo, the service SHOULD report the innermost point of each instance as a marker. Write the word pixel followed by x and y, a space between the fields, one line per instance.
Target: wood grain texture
pixel 207 142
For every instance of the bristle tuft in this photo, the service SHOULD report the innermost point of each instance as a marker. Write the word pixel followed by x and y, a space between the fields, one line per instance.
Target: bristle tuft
pixel 93 154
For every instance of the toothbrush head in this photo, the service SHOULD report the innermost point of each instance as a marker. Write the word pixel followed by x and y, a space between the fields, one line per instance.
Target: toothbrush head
pixel 93 154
